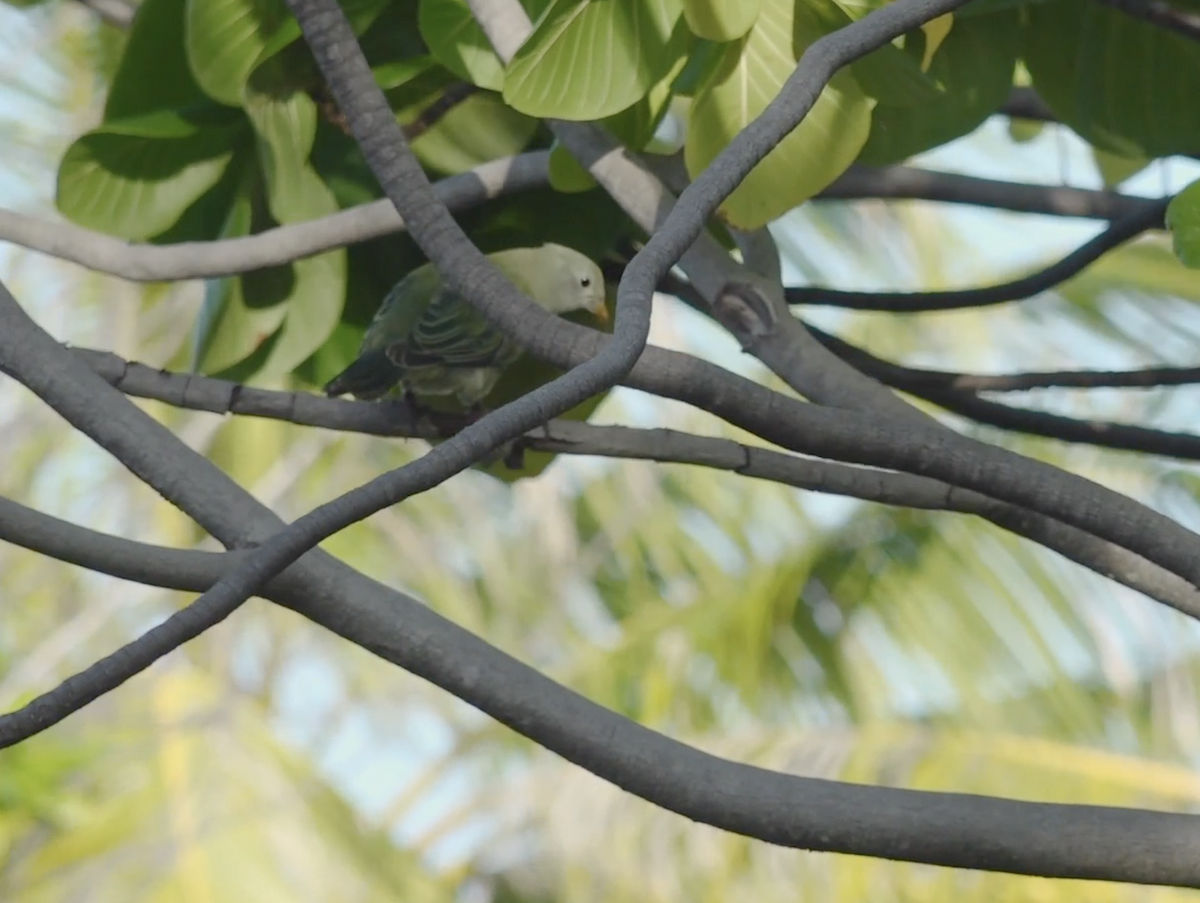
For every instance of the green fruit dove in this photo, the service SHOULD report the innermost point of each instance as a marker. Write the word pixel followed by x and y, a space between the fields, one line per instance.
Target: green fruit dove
pixel 428 341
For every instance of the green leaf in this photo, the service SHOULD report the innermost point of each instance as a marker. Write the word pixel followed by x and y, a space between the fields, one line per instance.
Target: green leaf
pixel 1024 130
pixel 720 20
pixel 974 64
pixel 401 72
pixel 1124 85
pixel 635 125
pixel 1116 168
pixel 1183 219
pixel 239 313
pixel 153 73
pixel 459 44
pixel 225 39
pixel 135 178
pixel 566 173
pixel 629 45
pixel 888 74
pixel 478 129
pixel 812 155
pixel 286 128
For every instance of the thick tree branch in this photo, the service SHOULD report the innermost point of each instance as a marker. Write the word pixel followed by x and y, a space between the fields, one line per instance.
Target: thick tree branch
pixel 464 269
pixel 951 829
pixel 1121 231
pixel 139 562
pixel 565 437
pixel 204 259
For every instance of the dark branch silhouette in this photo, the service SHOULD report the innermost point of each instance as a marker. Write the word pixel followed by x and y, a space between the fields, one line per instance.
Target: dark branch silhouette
pixel 1121 231
pixel 956 393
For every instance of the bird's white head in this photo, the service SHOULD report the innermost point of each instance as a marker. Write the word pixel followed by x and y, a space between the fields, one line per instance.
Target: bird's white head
pixel 575 281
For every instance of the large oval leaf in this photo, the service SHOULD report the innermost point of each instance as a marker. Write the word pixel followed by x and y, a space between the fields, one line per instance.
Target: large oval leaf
pixel 478 129
pixel 135 178
pixel 286 127
pixel 458 43
pixel 588 59
pixel 153 72
pixel 239 313
pixel 1124 85
pixel 226 39
pixel 888 74
pixel 974 66
pixel 720 20
pixel 1183 219
pixel 808 159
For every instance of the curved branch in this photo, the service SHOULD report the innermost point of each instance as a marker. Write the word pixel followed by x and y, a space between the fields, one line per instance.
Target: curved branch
pixel 1121 231
pixel 227 257
pixel 919 379
pixel 182 569
pixel 568 437
pixel 951 829
pixel 954 829
pixel 467 271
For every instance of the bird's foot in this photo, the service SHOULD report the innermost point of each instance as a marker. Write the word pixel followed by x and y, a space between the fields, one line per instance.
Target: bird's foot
pixel 476 412
pixel 514 456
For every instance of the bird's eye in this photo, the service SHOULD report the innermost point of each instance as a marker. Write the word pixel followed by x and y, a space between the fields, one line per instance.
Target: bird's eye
pixel 585 281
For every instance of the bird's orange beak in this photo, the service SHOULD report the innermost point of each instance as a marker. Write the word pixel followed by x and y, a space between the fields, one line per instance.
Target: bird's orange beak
pixel 601 313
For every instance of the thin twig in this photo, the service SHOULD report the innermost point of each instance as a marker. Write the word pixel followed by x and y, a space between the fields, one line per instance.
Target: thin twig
pixel 1121 231
pixel 956 393
pixel 908 182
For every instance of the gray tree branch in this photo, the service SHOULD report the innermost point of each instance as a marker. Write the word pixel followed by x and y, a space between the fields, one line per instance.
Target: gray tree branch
pixel 943 828
pixel 283 244
pixel 566 437
pixel 950 829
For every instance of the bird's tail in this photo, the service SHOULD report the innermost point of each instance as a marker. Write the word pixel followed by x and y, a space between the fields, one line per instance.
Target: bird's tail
pixel 372 375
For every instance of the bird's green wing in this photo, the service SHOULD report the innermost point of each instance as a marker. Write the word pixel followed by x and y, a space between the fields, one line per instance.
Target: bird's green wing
pixel 403 307
pixel 452 334
pixel 373 374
